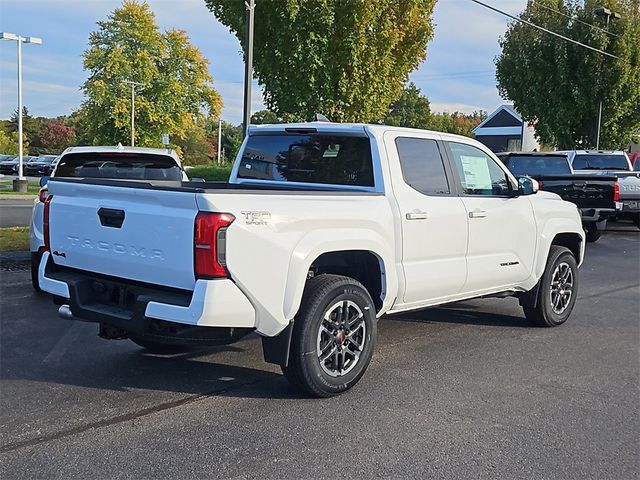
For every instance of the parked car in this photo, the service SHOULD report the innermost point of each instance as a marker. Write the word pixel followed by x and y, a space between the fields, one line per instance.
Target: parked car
pixel 42 165
pixel 322 229
pixel 613 163
pixel 11 167
pixel 4 158
pixel 101 162
pixel 597 198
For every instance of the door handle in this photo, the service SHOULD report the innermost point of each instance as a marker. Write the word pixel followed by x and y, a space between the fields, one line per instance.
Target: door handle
pixel 416 215
pixel 477 213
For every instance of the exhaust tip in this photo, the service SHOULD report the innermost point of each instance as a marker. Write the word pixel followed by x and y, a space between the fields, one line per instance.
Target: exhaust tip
pixel 65 312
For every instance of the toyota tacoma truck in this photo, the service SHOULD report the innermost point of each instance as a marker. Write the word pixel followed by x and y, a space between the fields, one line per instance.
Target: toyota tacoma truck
pixel 597 197
pixel 605 163
pixel 322 229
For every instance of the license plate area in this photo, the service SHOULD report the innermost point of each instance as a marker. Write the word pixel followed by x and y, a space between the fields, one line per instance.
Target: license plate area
pixel 630 205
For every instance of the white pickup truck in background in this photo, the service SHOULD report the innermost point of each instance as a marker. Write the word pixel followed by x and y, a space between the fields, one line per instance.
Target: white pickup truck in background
pixel 321 230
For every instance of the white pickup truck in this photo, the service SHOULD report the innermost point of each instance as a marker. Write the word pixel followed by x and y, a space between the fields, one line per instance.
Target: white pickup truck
pixel 322 229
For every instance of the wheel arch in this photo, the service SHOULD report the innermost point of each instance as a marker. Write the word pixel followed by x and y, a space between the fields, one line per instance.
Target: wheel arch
pixel 367 260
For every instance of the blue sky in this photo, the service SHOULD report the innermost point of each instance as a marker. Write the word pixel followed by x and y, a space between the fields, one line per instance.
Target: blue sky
pixel 457 75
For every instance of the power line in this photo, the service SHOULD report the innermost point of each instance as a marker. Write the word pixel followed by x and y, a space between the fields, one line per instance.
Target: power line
pixel 595 27
pixel 526 22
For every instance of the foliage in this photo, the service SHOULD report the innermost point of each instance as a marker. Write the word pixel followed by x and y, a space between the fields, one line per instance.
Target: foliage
pixel 556 84
pixel 231 141
pixel 55 137
pixel 262 117
pixel 211 173
pixel 9 143
pixel 412 109
pixel 176 91
pixel 347 59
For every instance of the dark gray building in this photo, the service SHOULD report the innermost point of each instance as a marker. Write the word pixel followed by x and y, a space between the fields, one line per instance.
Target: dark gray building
pixel 505 131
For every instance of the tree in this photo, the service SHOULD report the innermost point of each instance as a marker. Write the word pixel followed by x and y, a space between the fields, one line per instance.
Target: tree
pixel 262 117
pixel 9 143
pixel 557 84
pixel 55 137
pixel 176 89
pixel 231 140
pixel 412 109
pixel 347 59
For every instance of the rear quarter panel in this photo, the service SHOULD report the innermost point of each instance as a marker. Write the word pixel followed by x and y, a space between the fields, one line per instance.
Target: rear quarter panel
pixel 276 237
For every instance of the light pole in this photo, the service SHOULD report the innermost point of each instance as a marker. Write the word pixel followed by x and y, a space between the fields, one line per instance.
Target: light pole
pixel 20 184
pixel 133 107
pixel 608 14
pixel 250 6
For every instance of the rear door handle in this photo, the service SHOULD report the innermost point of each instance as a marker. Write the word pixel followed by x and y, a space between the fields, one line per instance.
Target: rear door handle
pixel 477 213
pixel 416 215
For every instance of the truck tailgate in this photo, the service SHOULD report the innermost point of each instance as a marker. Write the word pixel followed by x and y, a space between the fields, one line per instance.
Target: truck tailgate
pixel 132 233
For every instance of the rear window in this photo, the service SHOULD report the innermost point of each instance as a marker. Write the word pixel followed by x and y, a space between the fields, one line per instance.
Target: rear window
pixel 537 165
pixel 314 158
pixel 600 162
pixel 130 166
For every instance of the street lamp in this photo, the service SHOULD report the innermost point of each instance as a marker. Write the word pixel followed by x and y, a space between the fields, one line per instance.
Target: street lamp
pixel 608 15
pixel 20 184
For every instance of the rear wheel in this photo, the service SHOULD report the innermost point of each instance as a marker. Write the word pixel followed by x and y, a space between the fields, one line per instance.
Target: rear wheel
pixel 592 233
pixel 333 338
pixel 557 289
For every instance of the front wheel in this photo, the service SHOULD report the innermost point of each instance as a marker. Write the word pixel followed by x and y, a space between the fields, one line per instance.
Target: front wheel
pixel 334 335
pixel 557 289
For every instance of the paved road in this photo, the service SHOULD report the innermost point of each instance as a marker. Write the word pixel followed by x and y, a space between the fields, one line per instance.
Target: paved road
pixel 15 213
pixel 468 391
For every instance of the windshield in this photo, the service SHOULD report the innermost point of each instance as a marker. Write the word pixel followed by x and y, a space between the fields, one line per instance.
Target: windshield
pixel 130 166
pixel 598 161
pixel 538 165
pixel 315 158
pixel 47 158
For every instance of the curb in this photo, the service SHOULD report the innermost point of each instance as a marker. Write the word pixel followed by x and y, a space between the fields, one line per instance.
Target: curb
pixel 17 197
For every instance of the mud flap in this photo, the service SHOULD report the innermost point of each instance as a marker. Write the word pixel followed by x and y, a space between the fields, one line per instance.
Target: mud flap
pixel 276 349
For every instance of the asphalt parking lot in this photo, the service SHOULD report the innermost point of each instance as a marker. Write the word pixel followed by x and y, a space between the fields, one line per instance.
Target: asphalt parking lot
pixel 467 391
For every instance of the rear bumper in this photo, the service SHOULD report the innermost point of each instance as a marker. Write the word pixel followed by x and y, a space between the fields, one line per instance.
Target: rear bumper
pixel 597 214
pixel 130 305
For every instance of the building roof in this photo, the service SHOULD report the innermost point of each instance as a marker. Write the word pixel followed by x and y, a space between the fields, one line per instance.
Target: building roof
pixel 502 108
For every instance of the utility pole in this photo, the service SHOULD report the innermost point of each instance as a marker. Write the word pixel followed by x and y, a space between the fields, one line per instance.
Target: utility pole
pixel 248 63
pixel 219 141
pixel 20 184
pixel 133 107
pixel 608 14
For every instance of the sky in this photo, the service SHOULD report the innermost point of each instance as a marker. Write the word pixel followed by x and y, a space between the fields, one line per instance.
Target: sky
pixel 457 75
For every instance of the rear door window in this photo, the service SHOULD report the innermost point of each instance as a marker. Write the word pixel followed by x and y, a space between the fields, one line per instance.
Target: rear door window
pixel 129 166
pixel 422 165
pixel 314 158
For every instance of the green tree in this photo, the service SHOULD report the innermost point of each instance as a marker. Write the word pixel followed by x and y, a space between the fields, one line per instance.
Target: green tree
pixel 347 59
pixel 231 141
pixel 9 143
pixel 557 84
pixel 412 109
pixel 262 117
pixel 176 89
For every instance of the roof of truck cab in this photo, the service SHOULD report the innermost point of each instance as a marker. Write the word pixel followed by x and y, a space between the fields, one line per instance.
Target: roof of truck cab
pixel 122 149
pixel 335 127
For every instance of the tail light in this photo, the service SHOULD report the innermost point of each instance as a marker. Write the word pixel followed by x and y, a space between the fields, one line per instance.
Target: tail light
pixel 43 194
pixel 540 184
pixel 209 245
pixel 45 223
pixel 616 192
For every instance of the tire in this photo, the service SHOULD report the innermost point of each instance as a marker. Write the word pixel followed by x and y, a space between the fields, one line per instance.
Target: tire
pixel 35 265
pixel 347 344
pixel 159 348
pixel 593 234
pixel 546 313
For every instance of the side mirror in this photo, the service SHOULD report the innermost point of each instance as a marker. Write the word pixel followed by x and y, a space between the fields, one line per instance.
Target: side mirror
pixel 527 186
pixel 44 181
